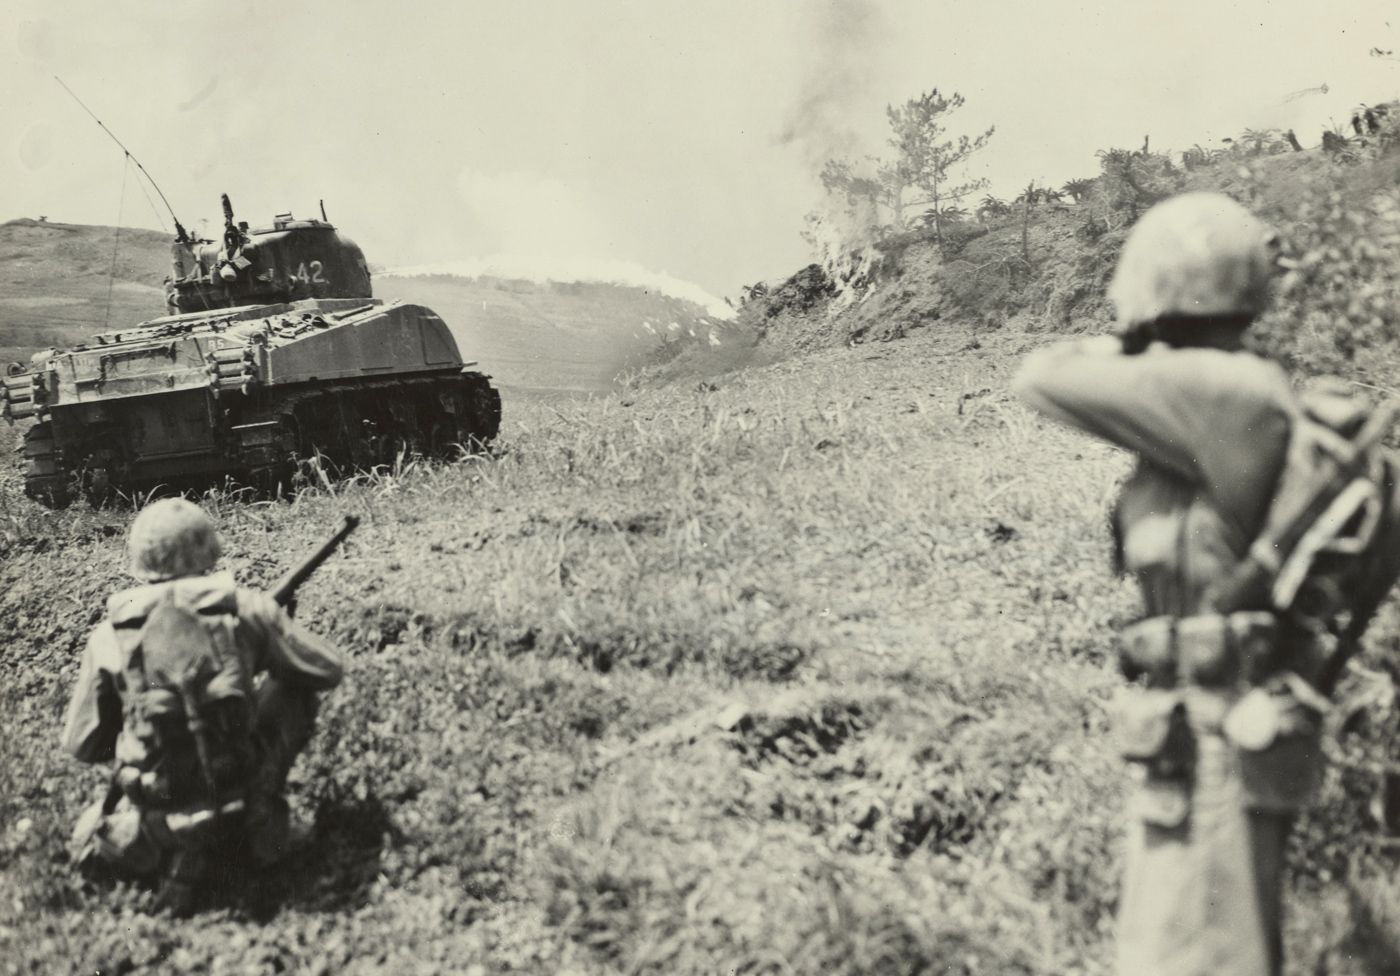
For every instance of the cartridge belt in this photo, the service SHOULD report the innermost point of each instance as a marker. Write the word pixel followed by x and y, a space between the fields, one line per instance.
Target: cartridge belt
pixel 1210 650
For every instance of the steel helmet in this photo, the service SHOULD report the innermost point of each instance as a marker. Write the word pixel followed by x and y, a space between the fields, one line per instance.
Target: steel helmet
pixel 172 538
pixel 1195 254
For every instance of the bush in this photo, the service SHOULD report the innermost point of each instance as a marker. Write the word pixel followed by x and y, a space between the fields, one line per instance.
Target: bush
pixel 1338 304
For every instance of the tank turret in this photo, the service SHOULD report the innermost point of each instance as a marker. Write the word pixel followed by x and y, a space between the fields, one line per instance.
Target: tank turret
pixel 276 351
pixel 288 261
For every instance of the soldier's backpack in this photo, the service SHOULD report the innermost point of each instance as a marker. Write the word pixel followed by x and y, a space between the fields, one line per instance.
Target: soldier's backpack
pixel 188 707
pixel 1323 557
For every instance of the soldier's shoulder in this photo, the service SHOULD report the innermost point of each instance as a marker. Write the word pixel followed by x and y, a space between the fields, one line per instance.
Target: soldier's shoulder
pixel 255 605
pixel 132 602
pixel 1245 373
pixel 103 647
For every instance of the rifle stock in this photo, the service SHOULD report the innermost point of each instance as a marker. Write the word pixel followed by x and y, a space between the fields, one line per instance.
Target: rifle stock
pixel 287 586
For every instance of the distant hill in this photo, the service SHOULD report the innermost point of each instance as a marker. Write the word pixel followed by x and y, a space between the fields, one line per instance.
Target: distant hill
pixel 56 281
pixel 577 336
pixel 553 335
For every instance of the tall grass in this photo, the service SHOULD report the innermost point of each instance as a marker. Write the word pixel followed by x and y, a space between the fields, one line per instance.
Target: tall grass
pixel 802 669
pixel 864 537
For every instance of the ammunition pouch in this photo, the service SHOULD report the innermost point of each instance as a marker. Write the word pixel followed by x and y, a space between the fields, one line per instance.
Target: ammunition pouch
pixel 1154 732
pixel 1211 650
pixel 151 789
pixel 1273 729
pixel 1163 802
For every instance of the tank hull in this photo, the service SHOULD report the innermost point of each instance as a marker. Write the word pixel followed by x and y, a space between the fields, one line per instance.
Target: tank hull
pixel 248 393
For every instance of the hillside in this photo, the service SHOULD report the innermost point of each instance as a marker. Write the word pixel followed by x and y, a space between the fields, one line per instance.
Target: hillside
pixel 803 666
pixel 807 663
pixel 56 279
pixel 548 335
pixel 1337 213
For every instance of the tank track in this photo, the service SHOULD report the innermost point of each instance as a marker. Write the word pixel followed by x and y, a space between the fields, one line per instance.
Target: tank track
pixel 45 478
pixel 351 426
pixel 364 425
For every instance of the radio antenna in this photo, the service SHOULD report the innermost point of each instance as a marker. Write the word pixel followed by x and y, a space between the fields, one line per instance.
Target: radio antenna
pixel 178 229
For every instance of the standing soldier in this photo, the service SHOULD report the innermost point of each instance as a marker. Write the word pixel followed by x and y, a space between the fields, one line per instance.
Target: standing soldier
pixel 204 693
pixel 1263 531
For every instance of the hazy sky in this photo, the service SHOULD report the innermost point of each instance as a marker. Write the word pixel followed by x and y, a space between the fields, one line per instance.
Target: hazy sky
pixel 683 137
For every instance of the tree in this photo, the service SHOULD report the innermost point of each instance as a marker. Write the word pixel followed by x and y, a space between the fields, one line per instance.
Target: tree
pixel 925 161
pixel 993 207
pixel 1262 142
pixel 1133 181
pixel 1196 157
pixel 1029 197
pixel 952 214
pixel 839 178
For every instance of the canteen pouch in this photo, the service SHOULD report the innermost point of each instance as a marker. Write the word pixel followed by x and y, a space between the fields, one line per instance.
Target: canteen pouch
pixel 121 840
pixel 1154 732
pixel 1283 775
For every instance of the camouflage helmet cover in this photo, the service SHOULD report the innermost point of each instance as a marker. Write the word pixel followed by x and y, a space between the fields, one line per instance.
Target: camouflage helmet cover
pixel 1193 255
pixel 172 538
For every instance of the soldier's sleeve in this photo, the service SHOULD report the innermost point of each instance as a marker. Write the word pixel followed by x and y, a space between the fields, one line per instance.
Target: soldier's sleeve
pixel 1217 419
pixel 94 717
pixel 287 649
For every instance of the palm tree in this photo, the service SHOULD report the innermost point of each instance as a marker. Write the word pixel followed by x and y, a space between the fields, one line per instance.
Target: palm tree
pixel 992 207
pixel 1079 189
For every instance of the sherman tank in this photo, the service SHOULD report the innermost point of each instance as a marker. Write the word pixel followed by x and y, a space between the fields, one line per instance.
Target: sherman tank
pixel 274 351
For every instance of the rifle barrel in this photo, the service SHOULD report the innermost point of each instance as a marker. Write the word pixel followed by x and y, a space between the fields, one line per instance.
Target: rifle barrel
pixel 298 575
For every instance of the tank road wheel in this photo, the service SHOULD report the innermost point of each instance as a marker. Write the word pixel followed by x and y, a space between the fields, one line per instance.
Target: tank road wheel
pixel 316 441
pixel 92 480
pixel 45 479
pixel 443 437
pixel 356 441
pixel 406 437
pixel 268 452
pixel 96 475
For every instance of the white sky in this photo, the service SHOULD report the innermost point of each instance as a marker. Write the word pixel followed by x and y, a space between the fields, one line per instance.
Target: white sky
pixel 683 137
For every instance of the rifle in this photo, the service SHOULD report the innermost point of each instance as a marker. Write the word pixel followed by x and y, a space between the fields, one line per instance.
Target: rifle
pixel 286 587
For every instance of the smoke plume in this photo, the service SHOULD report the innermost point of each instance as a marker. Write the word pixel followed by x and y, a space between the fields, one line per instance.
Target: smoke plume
pixel 840 83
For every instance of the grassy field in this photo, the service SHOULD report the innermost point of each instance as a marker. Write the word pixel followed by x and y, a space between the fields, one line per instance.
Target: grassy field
pixel 801 669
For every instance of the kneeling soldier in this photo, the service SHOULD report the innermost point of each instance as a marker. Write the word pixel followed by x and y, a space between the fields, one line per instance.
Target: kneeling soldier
pixel 204 693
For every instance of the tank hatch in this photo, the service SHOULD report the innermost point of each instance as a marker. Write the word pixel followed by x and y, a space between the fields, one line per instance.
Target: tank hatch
pixel 290 261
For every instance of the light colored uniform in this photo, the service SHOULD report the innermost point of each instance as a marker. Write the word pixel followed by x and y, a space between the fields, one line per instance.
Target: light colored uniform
pixel 1202 891
pixel 293 664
